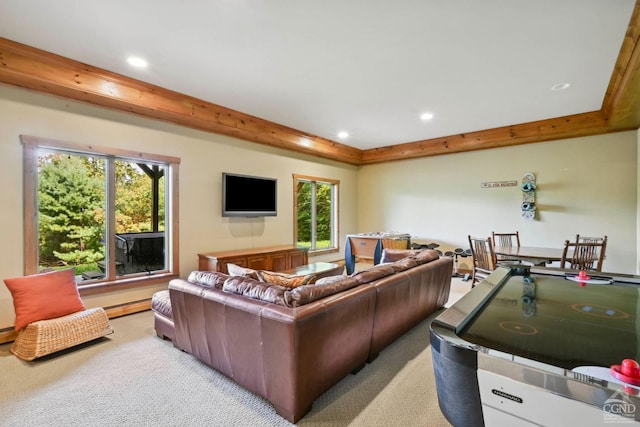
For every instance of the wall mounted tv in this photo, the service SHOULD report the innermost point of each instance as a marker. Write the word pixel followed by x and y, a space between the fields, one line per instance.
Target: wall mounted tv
pixel 249 196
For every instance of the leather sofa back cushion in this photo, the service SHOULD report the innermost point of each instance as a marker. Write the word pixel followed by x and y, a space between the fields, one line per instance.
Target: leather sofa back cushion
pixel 255 289
pixel 322 288
pixel 374 273
pixel 280 295
pixel 211 279
pixel 404 264
pixel 426 255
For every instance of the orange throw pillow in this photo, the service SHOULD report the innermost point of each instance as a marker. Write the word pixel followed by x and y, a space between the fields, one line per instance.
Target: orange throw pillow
pixel 44 296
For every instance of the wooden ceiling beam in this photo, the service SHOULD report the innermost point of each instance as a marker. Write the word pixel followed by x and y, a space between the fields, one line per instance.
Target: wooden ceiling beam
pixel 544 130
pixel 41 71
pixel 620 111
pixel 622 99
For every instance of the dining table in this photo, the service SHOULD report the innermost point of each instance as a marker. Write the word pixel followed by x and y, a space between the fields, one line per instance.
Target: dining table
pixel 535 254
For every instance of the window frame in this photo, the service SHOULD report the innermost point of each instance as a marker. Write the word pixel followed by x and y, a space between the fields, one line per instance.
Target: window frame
pixel 31 145
pixel 335 211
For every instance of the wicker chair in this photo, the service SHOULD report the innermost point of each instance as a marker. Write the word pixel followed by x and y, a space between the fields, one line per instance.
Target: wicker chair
pixel 49 336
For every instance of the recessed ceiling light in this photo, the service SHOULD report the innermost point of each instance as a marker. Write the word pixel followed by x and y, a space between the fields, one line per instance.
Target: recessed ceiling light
pixel 343 134
pixel 426 116
pixel 137 62
pixel 560 86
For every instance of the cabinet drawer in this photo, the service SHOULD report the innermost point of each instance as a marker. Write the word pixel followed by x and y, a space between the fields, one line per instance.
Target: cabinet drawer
pixel 258 262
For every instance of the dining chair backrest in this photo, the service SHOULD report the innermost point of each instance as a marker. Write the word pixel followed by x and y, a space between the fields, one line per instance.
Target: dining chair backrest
pixel 505 239
pixel 484 258
pixel 583 255
pixel 508 240
pixel 585 239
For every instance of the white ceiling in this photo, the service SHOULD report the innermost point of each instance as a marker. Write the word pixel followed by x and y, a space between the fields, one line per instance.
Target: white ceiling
pixel 369 67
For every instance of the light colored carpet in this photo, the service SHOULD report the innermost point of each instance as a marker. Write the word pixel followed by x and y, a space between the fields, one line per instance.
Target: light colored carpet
pixel 132 378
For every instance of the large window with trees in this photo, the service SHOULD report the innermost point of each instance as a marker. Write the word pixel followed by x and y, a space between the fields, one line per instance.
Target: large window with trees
pixel 316 212
pixel 110 214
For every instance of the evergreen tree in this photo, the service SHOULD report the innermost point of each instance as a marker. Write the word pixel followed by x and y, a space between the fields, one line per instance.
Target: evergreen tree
pixel 304 212
pixel 71 205
pixel 323 212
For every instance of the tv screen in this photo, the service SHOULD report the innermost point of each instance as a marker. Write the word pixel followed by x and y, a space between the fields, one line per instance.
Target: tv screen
pixel 249 196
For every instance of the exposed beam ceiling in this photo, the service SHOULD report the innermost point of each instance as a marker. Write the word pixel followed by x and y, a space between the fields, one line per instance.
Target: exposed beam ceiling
pixel 34 69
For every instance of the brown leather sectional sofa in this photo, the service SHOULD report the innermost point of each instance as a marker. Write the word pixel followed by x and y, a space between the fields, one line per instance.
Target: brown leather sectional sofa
pixel 291 345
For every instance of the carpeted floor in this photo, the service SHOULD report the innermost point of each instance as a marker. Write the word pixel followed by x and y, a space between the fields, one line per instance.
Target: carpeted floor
pixel 132 378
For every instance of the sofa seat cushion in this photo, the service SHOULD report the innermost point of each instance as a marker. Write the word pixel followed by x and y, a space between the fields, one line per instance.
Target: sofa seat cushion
pixel 323 288
pixel 211 279
pixel 252 288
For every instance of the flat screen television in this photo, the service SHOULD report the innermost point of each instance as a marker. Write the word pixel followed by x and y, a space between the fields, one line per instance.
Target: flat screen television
pixel 249 196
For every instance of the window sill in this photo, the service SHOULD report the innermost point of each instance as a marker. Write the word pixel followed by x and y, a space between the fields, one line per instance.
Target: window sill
pixel 317 252
pixel 126 283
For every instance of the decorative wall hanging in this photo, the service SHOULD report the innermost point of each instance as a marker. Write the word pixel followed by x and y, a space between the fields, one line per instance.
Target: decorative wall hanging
pixel 498 184
pixel 529 196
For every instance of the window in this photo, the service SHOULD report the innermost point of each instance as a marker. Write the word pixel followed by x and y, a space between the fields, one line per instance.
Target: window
pixel 111 214
pixel 316 213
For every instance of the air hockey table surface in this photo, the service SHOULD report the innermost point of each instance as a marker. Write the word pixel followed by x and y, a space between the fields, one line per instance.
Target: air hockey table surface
pixel 536 346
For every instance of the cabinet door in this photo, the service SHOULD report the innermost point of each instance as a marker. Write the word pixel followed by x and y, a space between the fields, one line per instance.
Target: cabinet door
pixel 241 261
pixel 279 261
pixel 297 258
pixel 258 262
pixel 208 264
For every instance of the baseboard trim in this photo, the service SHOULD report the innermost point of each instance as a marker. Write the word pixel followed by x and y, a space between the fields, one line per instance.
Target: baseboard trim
pixel 128 308
pixel 9 334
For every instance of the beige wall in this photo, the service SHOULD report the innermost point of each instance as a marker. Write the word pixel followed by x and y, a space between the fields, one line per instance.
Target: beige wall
pixel 585 185
pixel 203 159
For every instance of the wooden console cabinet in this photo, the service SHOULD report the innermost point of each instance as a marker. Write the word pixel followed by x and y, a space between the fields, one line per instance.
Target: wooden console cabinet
pixel 272 258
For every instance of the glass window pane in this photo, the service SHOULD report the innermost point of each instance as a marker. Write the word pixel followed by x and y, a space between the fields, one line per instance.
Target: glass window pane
pixel 139 215
pixel 71 213
pixel 324 215
pixel 304 213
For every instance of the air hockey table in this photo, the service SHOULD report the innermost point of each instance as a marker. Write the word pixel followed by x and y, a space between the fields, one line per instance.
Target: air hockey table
pixel 537 346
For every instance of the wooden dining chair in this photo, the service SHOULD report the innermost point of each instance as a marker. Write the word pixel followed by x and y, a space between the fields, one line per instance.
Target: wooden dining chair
pixel 508 240
pixel 585 239
pixel 583 255
pixel 484 258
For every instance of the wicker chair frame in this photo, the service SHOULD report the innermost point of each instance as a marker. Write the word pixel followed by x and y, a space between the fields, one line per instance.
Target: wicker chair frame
pixel 44 337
